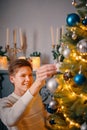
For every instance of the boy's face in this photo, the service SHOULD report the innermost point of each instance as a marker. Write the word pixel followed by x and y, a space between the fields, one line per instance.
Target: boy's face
pixel 22 79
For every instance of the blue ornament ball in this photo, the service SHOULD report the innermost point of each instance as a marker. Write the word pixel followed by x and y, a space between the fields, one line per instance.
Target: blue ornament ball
pixel 72 19
pixel 52 122
pixel 79 79
pixel 50 110
pixel 52 106
pixel 84 21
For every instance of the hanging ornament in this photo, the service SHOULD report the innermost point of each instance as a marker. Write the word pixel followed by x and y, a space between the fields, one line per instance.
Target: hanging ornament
pixel 82 46
pixel 72 19
pixel 52 106
pixel 84 21
pixel 52 122
pixel 67 75
pixel 52 84
pixel 66 52
pixel 80 79
pixel 86 3
pixel 74 36
pixel 60 49
pixel 74 2
pixel 84 126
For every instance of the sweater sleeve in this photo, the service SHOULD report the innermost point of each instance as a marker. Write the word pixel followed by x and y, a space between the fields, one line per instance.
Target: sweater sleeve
pixel 11 115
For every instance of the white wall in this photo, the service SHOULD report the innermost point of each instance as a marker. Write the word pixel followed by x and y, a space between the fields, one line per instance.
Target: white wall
pixel 35 18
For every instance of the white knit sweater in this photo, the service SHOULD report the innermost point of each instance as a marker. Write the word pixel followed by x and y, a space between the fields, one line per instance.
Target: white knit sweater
pixel 22 113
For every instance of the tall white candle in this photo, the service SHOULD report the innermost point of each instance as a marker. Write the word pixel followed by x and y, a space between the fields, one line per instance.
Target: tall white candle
pixel 52 36
pixel 21 37
pixel 7 36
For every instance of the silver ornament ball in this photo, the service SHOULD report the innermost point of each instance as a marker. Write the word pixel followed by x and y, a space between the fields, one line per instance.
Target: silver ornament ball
pixel 53 104
pixel 66 52
pixel 52 84
pixel 60 50
pixel 84 126
pixel 82 46
pixel 74 36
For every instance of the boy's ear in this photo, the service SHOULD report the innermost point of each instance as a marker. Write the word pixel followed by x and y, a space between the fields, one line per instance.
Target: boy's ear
pixel 11 79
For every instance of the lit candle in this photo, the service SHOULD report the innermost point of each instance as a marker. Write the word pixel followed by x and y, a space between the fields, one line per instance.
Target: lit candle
pixel 52 36
pixel 21 37
pixel 7 36
pixel 14 36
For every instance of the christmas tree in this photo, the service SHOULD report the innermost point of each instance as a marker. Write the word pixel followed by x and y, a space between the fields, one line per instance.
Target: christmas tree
pixel 68 107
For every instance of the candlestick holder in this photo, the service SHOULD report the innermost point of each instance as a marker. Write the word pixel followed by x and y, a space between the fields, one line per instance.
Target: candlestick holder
pixel 12 52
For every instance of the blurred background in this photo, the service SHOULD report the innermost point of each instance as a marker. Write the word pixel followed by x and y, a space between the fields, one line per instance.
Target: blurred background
pixel 34 18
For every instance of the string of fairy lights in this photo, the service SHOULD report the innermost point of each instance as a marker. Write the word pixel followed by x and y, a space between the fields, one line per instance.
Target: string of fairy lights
pixel 73 54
